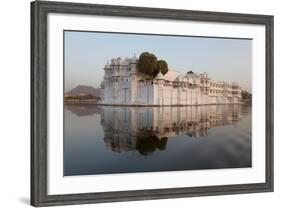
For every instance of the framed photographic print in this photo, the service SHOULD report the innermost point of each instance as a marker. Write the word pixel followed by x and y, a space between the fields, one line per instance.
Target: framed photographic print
pixel 132 103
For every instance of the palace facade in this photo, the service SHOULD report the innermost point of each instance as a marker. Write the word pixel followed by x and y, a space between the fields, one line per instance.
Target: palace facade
pixel 123 85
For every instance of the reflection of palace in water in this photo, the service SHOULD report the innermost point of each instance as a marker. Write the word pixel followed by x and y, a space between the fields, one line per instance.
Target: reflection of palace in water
pixel 147 129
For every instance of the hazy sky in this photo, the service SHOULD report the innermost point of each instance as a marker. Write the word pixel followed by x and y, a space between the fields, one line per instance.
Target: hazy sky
pixel 86 53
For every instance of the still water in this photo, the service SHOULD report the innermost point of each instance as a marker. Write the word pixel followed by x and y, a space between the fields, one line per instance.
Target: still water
pixel 107 139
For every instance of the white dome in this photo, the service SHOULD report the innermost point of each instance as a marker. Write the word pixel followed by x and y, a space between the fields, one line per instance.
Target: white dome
pixel 179 78
pixel 159 75
pixel 107 65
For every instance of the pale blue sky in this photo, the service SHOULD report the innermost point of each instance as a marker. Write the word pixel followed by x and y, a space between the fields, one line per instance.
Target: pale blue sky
pixel 86 53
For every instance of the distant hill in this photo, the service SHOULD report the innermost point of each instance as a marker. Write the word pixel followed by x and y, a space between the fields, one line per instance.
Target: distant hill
pixel 84 89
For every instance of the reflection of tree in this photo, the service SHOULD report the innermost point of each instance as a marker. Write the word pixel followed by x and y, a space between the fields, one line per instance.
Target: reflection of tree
pixel 148 142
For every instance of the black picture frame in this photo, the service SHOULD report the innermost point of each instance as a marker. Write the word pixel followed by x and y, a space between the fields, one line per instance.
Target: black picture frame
pixel 39 12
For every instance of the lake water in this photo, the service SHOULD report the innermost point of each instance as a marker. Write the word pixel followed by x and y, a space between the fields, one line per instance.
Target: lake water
pixel 107 139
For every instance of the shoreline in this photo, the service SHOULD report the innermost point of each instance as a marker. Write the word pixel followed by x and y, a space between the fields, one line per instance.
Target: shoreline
pixel 176 105
pixel 145 105
pixel 92 102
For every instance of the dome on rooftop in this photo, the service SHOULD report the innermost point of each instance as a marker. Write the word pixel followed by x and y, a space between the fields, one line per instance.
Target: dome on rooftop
pixel 134 58
pixel 180 78
pixel 159 76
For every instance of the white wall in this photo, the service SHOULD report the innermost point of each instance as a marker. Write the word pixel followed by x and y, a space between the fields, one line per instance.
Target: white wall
pixel 14 110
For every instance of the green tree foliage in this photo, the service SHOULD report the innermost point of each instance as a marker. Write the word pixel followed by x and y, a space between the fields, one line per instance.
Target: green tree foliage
pixel 162 66
pixel 246 95
pixel 147 64
pixel 190 72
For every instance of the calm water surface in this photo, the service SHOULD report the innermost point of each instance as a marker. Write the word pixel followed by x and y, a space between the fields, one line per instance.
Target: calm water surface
pixel 106 139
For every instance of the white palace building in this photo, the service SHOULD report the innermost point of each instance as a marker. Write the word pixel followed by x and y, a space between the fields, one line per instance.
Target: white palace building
pixel 123 85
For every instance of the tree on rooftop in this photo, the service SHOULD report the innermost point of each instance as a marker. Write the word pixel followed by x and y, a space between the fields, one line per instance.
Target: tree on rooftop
pixel 156 71
pixel 190 72
pixel 147 64
pixel 162 66
pixel 246 95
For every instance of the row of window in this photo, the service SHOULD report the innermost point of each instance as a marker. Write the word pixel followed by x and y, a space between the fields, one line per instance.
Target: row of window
pixel 216 91
pixel 166 84
pixel 221 86
pixel 175 85
pixel 216 85
pixel 221 91
pixel 178 85
pixel 115 79
pixel 204 81
pixel 110 71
